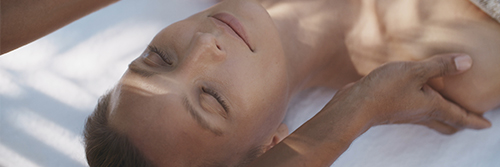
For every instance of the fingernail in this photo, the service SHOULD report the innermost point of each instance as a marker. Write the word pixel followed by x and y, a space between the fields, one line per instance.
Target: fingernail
pixel 463 62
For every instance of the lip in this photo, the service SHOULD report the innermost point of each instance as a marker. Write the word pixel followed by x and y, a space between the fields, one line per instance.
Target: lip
pixel 236 28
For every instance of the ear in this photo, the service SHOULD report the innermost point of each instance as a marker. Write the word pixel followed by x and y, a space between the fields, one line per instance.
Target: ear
pixel 280 134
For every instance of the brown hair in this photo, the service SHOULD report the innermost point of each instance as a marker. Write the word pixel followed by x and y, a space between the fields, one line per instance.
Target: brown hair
pixel 106 147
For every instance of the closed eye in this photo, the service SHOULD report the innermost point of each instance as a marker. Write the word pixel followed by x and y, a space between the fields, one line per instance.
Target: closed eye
pixel 160 53
pixel 217 97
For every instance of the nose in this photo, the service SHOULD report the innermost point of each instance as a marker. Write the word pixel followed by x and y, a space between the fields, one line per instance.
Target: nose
pixel 206 50
pixel 203 56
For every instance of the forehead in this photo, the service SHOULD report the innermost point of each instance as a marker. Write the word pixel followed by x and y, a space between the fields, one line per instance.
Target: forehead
pixel 172 137
pixel 155 123
pixel 159 123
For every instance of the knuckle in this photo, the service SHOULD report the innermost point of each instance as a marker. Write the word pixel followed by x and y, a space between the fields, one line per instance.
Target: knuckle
pixel 462 119
pixel 434 114
pixel 381 72
pixel 441 111
pixel 406 70
pixel 443 66
pixel 418 71
pixel 407 66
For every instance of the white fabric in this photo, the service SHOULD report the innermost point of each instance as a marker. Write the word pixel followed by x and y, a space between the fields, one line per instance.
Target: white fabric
pixel 407 145
pixel 48 88
pixel 491 7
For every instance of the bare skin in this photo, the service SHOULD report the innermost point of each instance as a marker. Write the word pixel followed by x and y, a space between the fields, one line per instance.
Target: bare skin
pixel 367 34
pixel 295 45
pixel 316 48
pixel 426 28
pixel 24 21
pixel 370 102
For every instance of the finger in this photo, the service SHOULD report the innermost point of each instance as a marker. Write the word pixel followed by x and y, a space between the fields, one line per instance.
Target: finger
pixel 455 116
pixel 441 127
pixel 348 85
pixel 443 65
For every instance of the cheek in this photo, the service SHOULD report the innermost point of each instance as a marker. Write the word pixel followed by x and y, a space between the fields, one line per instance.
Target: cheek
pixel 263 85
pixel 267 102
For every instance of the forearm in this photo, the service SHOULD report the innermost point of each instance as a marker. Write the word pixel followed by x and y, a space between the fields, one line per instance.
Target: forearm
pixel 23 21
pixel 393 93
pixel 320 141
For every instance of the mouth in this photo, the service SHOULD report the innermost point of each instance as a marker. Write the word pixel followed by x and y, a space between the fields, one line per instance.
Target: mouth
pixel 234 26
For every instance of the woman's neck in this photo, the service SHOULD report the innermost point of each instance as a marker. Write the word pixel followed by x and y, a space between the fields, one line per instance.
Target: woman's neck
pixel 313 37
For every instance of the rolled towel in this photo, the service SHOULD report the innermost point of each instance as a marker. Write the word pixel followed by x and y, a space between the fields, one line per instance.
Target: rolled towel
pixel 492 7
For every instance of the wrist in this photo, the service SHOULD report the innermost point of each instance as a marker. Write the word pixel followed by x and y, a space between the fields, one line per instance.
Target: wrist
pixel 322 139
pixel 327 135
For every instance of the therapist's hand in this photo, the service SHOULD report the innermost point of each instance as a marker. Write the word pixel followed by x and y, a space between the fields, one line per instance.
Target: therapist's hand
pixel 397 93
pixel 394 93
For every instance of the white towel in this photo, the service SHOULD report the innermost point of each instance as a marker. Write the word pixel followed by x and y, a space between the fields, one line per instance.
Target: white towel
pixel 491 7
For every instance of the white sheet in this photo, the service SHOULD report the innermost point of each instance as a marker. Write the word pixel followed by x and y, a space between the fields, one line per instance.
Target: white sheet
pixel 48 88
pixel 407 145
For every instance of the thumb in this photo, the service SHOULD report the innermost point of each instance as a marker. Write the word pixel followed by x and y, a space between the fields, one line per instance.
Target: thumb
pixel 446 64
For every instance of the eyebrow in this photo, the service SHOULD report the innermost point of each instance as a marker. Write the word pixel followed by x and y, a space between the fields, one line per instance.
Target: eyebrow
pixel 202 122
pixel 187 104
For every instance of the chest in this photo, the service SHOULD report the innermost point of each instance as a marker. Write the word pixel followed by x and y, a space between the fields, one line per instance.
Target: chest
pixel 391 30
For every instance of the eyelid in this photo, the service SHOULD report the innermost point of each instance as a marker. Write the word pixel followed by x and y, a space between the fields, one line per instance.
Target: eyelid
pixel 217 97
pixel 160 53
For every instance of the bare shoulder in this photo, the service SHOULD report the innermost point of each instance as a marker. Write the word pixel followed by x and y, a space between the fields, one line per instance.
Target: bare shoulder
pixel 460 26
pixel 418 29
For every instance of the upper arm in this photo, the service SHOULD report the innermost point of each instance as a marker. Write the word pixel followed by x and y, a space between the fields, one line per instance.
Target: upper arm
pixel 25 21
pixel 429 28
pixel 445 26
pixel 477 90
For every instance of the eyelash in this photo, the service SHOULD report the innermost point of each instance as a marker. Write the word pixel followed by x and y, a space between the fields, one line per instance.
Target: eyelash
pixel 162 54
pixel 216 96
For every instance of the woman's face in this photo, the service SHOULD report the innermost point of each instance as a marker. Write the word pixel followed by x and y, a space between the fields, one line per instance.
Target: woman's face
pixel 204 90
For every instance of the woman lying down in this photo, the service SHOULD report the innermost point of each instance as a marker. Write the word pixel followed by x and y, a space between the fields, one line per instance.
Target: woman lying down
pixel 213 89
